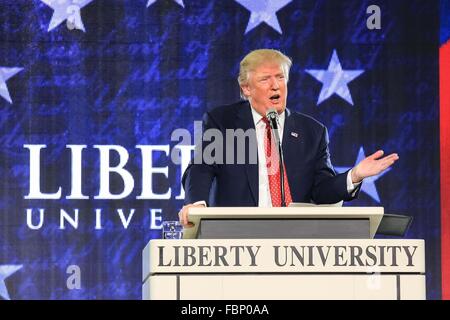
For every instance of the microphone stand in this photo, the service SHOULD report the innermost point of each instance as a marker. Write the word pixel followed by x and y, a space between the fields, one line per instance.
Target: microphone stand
pixel 280 152
pixel 274 126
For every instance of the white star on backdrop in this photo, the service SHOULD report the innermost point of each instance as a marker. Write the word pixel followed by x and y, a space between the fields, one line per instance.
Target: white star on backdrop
pixel 368 185
pixel 150 2
pixel 263 11
pixel 334 80
pixel 66 9
pixel 5 74
pixel 5 272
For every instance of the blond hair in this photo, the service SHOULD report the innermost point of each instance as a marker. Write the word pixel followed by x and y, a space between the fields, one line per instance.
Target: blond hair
pixel 258 57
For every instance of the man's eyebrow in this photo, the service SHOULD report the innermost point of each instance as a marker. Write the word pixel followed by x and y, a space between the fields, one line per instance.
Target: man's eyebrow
pixel 269 75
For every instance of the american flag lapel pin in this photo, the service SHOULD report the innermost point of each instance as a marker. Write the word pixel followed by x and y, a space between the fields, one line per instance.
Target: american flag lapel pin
pixel 294 134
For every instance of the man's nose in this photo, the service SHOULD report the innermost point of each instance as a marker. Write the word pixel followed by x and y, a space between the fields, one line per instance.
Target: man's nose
pixel 275 84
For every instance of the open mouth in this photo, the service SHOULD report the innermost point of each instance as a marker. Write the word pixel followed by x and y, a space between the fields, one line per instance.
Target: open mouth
pixel 275 98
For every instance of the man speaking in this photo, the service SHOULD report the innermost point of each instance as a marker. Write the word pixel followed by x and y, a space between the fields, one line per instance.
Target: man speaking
pixel 293 160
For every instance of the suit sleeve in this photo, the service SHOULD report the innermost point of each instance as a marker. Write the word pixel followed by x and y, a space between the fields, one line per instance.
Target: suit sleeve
pixel 329 187
pixel 199 175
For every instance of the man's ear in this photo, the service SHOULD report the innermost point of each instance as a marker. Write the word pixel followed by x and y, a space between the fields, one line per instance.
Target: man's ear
pixel 245 89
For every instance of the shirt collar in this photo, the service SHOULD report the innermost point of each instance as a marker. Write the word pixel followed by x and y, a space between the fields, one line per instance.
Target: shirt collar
pixel 258 118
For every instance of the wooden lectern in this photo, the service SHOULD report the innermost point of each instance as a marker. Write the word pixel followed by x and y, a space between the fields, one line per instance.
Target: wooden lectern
pixel 284 253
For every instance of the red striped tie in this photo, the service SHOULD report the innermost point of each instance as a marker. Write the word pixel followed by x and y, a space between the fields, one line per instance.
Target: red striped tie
pixel 273 169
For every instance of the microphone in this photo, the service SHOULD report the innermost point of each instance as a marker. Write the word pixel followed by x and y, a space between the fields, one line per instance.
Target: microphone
pixel 272 116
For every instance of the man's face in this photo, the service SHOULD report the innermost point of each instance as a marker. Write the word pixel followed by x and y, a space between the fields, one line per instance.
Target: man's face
pixel 266 88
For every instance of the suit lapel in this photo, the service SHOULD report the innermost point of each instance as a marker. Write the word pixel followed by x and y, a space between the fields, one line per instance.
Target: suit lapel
pixel 290 141
pixel 244 120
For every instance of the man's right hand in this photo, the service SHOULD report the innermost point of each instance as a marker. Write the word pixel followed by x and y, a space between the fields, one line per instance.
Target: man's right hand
pixel 184 217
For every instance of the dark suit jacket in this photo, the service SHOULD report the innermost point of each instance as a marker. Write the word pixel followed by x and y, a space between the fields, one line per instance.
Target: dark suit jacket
pixel 307 160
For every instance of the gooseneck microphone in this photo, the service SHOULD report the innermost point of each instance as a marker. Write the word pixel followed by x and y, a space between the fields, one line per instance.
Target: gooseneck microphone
pixel 272 116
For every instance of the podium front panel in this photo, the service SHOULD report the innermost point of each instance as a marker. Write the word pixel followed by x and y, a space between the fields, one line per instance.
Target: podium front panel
pixel 287 287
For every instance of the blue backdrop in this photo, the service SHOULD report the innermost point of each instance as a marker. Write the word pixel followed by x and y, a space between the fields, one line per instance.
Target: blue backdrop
pixel 141 69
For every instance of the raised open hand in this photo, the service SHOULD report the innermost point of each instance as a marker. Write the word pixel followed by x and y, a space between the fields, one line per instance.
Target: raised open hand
pixel 373 165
